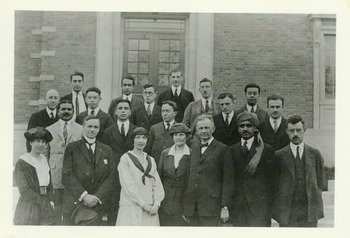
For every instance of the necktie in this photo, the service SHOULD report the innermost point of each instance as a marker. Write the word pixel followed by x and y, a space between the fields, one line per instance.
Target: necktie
pixel 252 109
pixel 275 128
pixel 149 113
pixel 176 94
pixel 92 112
pixel 51 115
pixel 65 133
pixel 226 120
pixel 298 155
pixel 122 130
pixel 205 145
pixel 77 104
pixel 91 152
pixel 167 126
pixel 206 106
pixel 245 148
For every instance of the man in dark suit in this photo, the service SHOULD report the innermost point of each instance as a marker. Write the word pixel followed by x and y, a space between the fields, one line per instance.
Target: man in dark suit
pixel 93 98
pixel 205 105
pixel 148 114
pixel 128 84
pixel 202 201
pixel 159 135
pixel 47 116
pixel 298 200
pixel 252 94
pixel 88 175
pixel 177 94
pixel 226 129
pixel 274 130
pixel 247 198
pixel 77 96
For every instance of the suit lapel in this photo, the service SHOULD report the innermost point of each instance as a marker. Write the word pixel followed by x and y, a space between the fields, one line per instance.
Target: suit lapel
pixel 116 133
pixel 84 150
pixel 208 151
pixel 71 131
pixel 198 106
pixel 288 160
pixel 57 128
pixel 308 162
pixel 98 151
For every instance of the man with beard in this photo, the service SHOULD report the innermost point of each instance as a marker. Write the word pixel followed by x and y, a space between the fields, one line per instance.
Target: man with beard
pixel 63 132
pixel 298 200
pixel 274 130
pixel 247 198
pixel 252 94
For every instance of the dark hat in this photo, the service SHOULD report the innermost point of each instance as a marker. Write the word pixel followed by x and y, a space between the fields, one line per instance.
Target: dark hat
pixel 38 133
pixel 179 127
pixel 248 116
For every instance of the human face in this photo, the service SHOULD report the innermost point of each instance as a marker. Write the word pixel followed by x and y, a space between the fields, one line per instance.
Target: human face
pixel 179 138
pixel 127 86
pixel 122 111
pixel 38 146
pixel 205 129
pixel 92 99
pixel 246 129
pixel 149 95
pixel 168 113
pixel 91 128
pixel 226 105
pixel 176 78
pixel 296 132
pixel 206 89
pixel 140 142
pixel 66 111
pixel 275 108
pixel 52 98
pixel 77 83
pixel 252 95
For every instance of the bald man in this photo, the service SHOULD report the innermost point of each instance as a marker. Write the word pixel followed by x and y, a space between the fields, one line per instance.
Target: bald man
pixel 47 116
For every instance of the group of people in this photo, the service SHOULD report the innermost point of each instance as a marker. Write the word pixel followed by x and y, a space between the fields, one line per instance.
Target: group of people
pixel 167 160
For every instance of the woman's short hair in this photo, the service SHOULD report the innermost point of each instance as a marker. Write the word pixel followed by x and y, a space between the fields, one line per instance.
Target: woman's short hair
pixel 38 133
pixel 139 131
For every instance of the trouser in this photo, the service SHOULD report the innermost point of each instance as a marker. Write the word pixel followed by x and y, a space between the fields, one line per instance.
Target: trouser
pixel 299 215
pixel 198 220
pixel 58 201
pixel 171 219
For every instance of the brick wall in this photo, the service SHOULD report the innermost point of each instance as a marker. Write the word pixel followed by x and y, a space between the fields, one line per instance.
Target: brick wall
pixel 271 50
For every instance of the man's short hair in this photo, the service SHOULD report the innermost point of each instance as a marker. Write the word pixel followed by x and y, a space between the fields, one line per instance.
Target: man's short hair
pixel 172 104
pixel 130 78
pixel 175 71
pixel 77 73
pixel 91 117
pixel 224 95
pixel 275 97
pixel 120 100
pixel 63 101
pixel 150 85
pixel 203 80
pixel 94 89
pixel 202 118
pixel 295 119
pixel 251 85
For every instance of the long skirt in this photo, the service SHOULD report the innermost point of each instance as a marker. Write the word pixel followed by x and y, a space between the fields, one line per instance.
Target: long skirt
pixel 134 215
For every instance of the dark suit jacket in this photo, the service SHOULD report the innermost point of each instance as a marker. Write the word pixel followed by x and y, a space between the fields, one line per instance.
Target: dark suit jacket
pixel 41 118
pixel 69 98
pixel 261 113
pixel 228 135
pixel 159 140
pixel 278 139
pixel 139 117
pixel 285 186
pixel 205 180
pixel 105 121
pixel 174 182
pixel 258 188
pixel 182 101
pixel 135 102
pixel 79 174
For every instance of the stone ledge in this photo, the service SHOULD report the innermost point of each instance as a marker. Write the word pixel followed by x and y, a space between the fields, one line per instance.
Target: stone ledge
pixel 42 78
pixel 39 102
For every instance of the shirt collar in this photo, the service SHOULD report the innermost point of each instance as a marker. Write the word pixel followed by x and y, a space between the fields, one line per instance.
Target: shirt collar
pixel 126 123
pixel 49 112
pixel 294 149
pixel 230 115
pixel 75 93
pixel 89 140
pixel 171 123
pixel 178 89
pixel 63 122
pixel 146 105
pixel 127 96
pixel 249 107
pixel 249 142
pixel 209 141
pixel 210 100
pixel 186 150
pixel 95 110
pixel 278 121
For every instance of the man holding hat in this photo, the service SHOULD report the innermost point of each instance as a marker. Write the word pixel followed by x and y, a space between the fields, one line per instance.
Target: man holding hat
pixel 247 197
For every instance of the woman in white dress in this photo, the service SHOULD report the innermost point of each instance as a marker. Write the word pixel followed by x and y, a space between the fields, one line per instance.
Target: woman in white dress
pixel 141 188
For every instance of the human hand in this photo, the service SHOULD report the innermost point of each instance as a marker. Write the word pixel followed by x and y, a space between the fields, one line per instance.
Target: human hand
pixel 224 215
pixel 154 210
pixel 186 219
pixel 147 207
pixel 52 205
pixel 90 200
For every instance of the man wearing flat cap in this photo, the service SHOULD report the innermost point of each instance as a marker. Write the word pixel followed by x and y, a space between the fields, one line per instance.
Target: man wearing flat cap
pixel 247 198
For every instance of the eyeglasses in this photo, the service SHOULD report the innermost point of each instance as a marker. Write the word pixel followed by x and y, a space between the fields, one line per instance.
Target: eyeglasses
pixel 245 125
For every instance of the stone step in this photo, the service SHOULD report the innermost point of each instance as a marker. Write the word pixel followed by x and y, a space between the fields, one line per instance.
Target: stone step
pixel 331 185
pixel 328 198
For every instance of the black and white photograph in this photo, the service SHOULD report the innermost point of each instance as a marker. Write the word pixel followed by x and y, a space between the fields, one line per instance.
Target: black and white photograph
pixel 130 117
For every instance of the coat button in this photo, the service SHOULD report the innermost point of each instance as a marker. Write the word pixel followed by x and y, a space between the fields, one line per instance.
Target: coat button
pixel 196 185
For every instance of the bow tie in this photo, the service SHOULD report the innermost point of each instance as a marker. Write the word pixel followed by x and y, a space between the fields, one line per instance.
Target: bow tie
pixel 204 145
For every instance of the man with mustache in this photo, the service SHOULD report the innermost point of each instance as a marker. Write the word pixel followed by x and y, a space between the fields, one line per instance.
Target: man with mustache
pixel 274 130
pixel 252 94
pixel 298 200
pixel 63 132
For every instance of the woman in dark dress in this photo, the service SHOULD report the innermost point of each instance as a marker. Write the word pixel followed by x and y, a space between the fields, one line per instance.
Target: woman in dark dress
pixel 173 169
pixel 32 177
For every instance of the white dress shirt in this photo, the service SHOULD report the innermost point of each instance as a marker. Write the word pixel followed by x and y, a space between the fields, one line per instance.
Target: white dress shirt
pixel 82 106
pixel 294 149
pixel 249 108
pixel 126 126
pixel 171 123
pixel 249 142
pixel 178 154
pixel 127 97
pixel 95 111
pixel 279 120
pixel 230 116
pixel 204 101
pixel 151 104
pixel 62 124
pixel 93 146
pixel 51 111
pixel 203 149
pixel 174 88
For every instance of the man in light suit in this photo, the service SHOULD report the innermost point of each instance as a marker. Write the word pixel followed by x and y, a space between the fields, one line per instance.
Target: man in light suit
pixel 177 94
pixel 88 175
pixel 205 105
pixel 77 96
pixel 47 116
pixel 93 99
pixel 63 132
pixel 202 201
pixel 252 94
pixel 159 135
pixel 128 84
pixel 226 129
pixel 148 114
pixel 274 130
pixel 298 200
